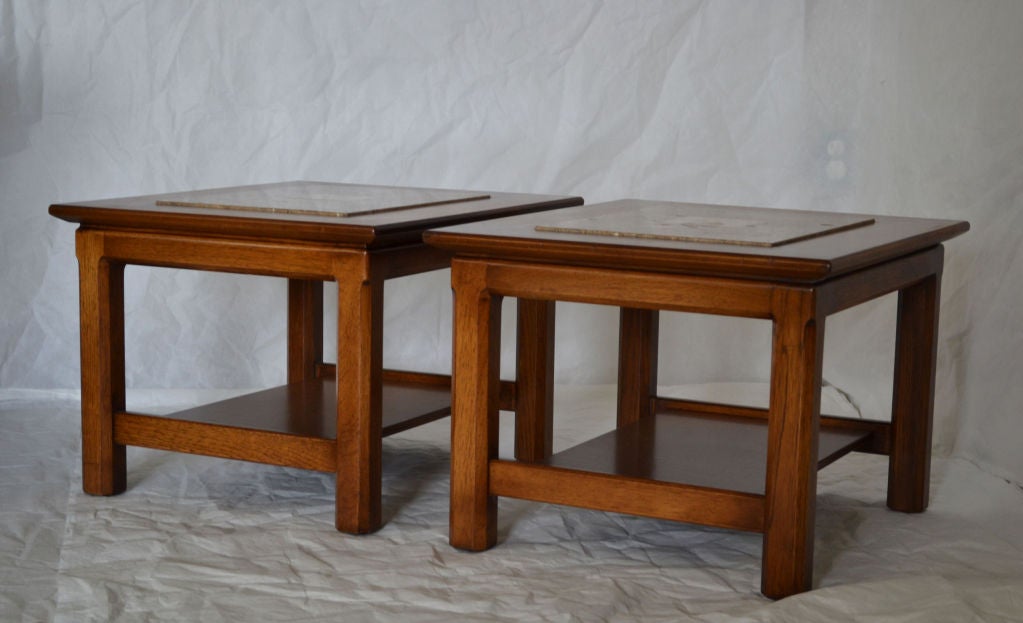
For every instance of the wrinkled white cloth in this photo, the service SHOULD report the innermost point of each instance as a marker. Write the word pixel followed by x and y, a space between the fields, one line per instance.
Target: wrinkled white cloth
pixel 203 539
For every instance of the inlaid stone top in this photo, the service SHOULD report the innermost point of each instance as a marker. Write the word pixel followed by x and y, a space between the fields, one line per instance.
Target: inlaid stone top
pixel 345 214
pixel 318 199
pixel 728 241
pixel 664 221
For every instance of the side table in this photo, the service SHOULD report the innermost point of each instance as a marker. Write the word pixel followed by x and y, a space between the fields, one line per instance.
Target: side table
pixel 714 464
pixel 328 418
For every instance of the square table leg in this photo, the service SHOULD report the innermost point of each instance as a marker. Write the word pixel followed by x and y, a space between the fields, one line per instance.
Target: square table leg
pixel 475 395
pixel 637 363
pixel 534 380
pixel 359 394
pixel 305 328
pixel 792 429
pixel 101 292
pixel 305 344
pixel 916 345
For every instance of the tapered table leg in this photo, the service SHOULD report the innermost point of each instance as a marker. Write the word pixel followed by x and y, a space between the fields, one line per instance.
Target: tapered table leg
pixel 916 345
pixel 101 291
pixel 474 409
pixel 359 394
pixel 793 420
pixel 534 379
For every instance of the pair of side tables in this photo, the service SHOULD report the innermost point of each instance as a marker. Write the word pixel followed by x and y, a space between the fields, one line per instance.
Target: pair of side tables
pixel 715 464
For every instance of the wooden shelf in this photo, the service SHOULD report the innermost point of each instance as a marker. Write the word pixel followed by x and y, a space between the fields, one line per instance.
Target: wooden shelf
pixel 716 452
pixel 293 425
pixel 308 409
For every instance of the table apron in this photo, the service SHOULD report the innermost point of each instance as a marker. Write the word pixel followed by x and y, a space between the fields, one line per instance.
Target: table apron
pixel 280 259
pixel 863 285
pixel 685 293
pixel 695 293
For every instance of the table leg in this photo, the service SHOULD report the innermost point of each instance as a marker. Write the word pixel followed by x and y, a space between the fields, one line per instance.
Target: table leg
pixel 637 363
pixel 793 419
pixel 359 395
pixel 305 349
pixel 477 363
pixel 534 379
pixel 916 343
pixel 305 328
pixel 101 292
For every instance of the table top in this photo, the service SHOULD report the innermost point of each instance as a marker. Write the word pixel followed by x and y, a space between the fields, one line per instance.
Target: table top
pixel 349 214
pixel 759 243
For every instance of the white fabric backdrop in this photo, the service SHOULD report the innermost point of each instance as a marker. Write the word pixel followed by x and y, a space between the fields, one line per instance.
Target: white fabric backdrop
pixel 911 108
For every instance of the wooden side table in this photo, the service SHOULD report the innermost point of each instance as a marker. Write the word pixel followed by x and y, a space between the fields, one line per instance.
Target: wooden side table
pixel 328 418
pixel 715 464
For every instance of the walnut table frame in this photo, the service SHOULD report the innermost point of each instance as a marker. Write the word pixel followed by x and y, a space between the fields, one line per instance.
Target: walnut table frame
pixel 715 464
pixel 328 418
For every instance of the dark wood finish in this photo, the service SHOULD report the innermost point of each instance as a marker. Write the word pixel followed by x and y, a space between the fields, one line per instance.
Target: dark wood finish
pixel 294 425
pixel 305 328
pixel 534 379
pixel 300 409
pixel 637 363
pixel 866 284
pixel 508 397
pixel 811 260
pixel 916 352
pixel 416 378
pixel 358 252
pixel 308 409
pixel 375 230
pixel 874 435
pixel 409 260
pixel 714 452
pixel 722 465
pixel 508 389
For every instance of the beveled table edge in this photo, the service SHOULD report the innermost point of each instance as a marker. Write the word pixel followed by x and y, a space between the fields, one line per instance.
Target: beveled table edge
pixel 727 261
pixel 121 215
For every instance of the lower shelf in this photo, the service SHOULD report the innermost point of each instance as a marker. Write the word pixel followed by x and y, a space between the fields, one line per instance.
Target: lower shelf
pixel 309 408
pixel 294 425
pixel 728 453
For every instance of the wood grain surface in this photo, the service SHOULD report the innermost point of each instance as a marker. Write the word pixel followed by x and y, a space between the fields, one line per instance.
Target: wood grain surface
pixel 810 260
pixel 716 464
